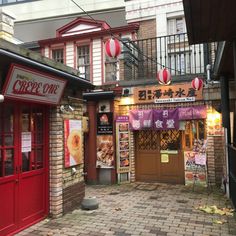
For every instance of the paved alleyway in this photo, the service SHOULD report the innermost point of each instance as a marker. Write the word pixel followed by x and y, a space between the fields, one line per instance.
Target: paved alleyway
pixel 142 209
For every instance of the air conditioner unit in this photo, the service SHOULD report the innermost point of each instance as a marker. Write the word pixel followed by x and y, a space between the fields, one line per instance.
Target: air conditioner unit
pixel 127 91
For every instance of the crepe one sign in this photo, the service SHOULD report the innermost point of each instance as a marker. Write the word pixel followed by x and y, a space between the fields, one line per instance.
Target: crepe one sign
pixel 30 85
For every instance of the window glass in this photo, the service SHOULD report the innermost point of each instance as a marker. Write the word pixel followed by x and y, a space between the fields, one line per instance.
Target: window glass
pixel 58 55
pixel 25 161
pixel 83 62
pixel 111 68
pixel 9 162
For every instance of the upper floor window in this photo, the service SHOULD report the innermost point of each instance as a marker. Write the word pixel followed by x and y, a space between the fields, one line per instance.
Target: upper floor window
pixel 4 2
pixel 176 26
pixel 58 55
pixel 111 69
pixel 83 61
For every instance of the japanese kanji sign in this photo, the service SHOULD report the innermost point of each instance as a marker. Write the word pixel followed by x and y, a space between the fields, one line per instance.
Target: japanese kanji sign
pixel 165 119
pixel 140 119
pixel 167 94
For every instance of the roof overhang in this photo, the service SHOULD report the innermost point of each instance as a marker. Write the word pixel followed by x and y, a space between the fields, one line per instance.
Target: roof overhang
pixel 213 21
pixel 99 95
pixel 210 20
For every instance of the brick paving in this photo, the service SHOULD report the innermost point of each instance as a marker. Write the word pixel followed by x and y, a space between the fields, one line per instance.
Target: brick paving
pixel 143 209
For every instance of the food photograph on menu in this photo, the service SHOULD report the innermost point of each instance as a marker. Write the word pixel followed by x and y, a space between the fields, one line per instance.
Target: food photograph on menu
pixel 105 151
pixel 73 142
pixel 124 145
pixel 124 136
pixel 123 127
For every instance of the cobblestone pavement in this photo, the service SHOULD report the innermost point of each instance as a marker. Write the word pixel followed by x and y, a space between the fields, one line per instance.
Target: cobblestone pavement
pixel 143 209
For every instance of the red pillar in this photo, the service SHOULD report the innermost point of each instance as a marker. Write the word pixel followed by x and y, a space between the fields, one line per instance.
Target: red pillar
pixel 92 144
pixel 113 171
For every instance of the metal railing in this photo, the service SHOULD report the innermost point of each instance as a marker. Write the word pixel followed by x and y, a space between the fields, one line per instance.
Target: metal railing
pixel 144 58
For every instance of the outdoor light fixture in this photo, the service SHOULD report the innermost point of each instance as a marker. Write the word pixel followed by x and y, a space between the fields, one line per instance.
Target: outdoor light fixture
pixel 1 98
pixel 126 92
pixel 66 108
pixel 164 77
pixel 112 47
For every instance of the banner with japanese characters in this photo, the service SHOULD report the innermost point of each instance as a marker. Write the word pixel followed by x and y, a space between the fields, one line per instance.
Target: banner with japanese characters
pixel 165 119
pixel 123 144
pixel 140 119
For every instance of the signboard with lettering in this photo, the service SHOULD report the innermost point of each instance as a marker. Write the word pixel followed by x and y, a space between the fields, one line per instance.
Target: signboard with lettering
pixel 31 85
pixel 167 94
pixel 104 123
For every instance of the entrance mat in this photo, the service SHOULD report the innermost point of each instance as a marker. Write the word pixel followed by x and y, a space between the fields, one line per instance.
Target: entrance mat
pixel 146 187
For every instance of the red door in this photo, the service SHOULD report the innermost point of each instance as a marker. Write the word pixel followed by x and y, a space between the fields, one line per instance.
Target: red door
pixel 23 166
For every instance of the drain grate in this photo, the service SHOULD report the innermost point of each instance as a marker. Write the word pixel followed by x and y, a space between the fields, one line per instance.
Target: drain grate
pixel 146 187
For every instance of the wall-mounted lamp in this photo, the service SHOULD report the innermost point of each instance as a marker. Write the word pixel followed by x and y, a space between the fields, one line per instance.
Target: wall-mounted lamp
pixel 1 98
pixel 66 108
pixel 127 92
pixel 103 107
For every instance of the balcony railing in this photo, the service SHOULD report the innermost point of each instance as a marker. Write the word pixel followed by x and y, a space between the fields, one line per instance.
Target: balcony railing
pixel 144 58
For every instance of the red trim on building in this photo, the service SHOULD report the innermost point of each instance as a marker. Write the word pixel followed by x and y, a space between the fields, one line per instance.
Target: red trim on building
pixel 91 61
pixel 122 29
pixel 75 55
pixel 64 53
pixel 78 21
pixel 102 61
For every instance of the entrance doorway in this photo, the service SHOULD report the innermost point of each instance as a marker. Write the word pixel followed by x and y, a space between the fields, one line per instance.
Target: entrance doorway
pixel 159 156
pixel 23 166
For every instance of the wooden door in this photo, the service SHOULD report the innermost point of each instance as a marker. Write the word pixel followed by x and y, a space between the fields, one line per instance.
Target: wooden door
pixel 159 156
pixel 147 155
pixel 24 168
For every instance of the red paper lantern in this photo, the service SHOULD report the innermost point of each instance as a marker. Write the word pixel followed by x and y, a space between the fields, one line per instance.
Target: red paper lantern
pixel 164 76
pixel 197 83
pixel 113 48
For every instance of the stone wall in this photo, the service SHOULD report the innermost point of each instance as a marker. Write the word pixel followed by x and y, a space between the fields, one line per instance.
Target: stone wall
pixel 66 187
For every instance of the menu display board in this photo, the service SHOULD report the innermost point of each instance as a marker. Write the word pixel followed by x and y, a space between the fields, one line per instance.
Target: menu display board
pixel 123 144
pixel 195 168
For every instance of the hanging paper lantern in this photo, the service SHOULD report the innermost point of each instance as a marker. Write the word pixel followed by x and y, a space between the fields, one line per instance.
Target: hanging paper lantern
pixel 197 83
pixel 164 76
pixel 112 47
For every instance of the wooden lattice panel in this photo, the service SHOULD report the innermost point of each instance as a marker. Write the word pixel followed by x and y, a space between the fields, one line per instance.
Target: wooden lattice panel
pixel 148 140
pixel 170 139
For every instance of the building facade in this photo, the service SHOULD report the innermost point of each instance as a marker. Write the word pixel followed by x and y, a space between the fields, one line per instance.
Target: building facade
pixel 38 101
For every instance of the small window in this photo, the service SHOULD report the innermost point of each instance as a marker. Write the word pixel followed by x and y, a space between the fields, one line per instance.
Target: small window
pixel 195 133
pixel 176 26
pixel 83 61
pixel 58 55
pixel 111 69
